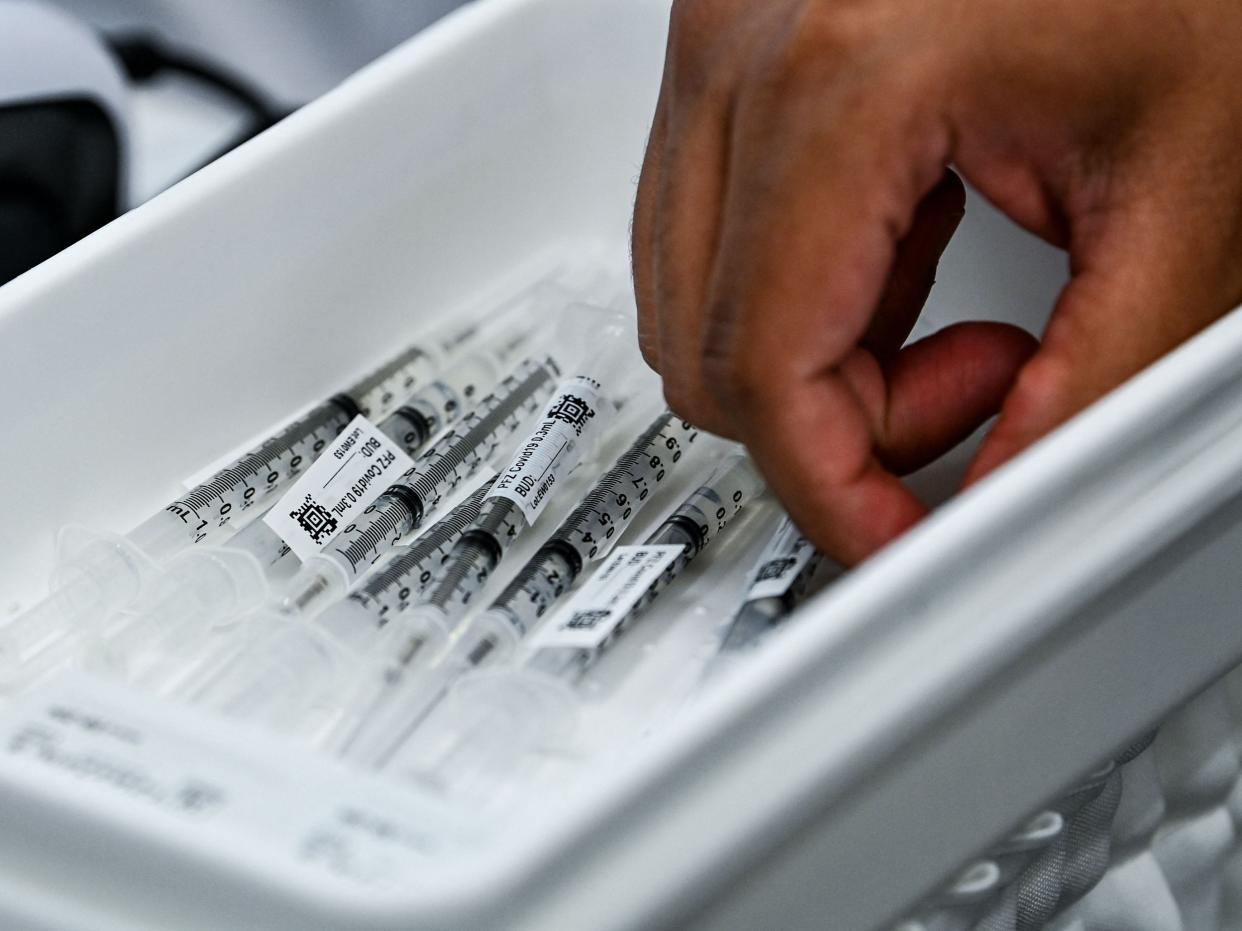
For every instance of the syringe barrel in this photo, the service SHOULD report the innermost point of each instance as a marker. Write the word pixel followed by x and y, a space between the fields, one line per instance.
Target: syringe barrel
pixel 752 622
pixel 466 570
pixel 266 546
pixel 698 520
pixel 455 458
pixel 616 499
pixel 375 531
pixel 568 429
pixel 709 508
pixel 441 403
pixel 208 511
pixel 537 587
pixel 382 391
pixel 396 584
pixel 778 581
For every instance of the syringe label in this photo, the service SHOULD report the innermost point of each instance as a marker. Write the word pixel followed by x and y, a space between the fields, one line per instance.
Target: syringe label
pixel 350 474
pixel 786 556
pixel 553 448
pixel 607 598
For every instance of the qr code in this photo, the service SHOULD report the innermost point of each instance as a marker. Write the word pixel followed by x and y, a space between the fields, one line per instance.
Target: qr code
pixel 585 620
pixel 775 569
pixel 572 410
pixel 315 519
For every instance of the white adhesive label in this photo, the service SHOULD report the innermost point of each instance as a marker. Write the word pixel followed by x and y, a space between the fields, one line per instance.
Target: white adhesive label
pixel 201 782
pixel 608 596
pixel 782 562
pixel 351 473
pixel 553 448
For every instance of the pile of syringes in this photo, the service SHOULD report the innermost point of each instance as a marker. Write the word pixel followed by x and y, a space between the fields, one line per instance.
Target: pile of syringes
pixel 517 509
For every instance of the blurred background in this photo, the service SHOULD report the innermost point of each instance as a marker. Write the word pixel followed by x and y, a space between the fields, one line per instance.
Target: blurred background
pixel 104 103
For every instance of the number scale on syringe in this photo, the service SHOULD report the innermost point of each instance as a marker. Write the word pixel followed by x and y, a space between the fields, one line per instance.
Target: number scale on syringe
pixel 391 588
pixel 599 520
pixel 263 471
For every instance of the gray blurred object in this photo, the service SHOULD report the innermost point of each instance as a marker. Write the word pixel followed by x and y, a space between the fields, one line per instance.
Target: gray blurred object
pixel 63 133
pixel 292 49
pixel 104 103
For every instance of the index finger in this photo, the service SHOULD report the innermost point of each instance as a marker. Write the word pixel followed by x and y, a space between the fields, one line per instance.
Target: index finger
pixel 808 240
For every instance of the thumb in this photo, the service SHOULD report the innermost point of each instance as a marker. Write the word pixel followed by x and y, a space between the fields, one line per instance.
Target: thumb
pixel 1143 283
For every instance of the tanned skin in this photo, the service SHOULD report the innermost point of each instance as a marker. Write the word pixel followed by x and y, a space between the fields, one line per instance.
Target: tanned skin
pixel 795 200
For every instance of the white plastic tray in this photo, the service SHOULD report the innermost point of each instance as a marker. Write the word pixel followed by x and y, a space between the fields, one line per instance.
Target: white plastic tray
pixel 918 708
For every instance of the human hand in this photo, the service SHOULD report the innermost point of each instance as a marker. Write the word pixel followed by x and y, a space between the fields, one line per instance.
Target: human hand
pixel 794 203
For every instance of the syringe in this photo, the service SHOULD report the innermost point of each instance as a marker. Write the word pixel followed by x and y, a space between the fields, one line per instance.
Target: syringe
pixel 586 535
pixel 568 430
pixel 98 574
pixel 201 515
pixel 696 522
pixel 257 553
pixel 397 582
pixel 458 455
pixel 295 663
pixel 209 585
pixel 778 581
pixel 490 718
